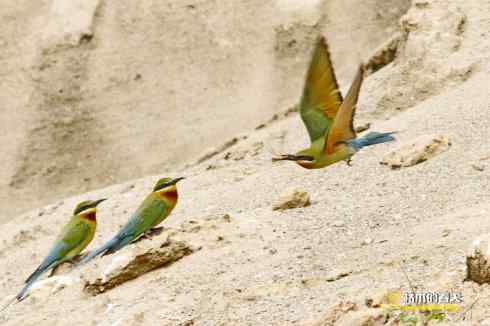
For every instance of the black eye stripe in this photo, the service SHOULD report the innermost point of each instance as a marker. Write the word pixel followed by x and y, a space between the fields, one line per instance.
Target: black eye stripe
pixel 82 208
pixel 165 185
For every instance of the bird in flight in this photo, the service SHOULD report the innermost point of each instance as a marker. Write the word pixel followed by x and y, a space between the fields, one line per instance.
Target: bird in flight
pixel 328 117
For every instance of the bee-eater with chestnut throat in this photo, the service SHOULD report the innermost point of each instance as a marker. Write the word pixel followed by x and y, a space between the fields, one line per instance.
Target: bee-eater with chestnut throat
pixel 328 117
pixel 152 211
pixel 74 237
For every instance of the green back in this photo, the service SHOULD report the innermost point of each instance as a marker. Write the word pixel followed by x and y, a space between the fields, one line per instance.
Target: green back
pixel 149 214
pixel 73 238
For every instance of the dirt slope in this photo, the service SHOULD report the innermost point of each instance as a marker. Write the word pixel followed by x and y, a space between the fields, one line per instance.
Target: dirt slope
pixel 287 268
pixel 95 93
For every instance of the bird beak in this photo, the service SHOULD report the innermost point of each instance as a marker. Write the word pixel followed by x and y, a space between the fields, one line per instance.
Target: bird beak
pixel 97 202
pixel 174 181
pixel 290 157
pixel 282 157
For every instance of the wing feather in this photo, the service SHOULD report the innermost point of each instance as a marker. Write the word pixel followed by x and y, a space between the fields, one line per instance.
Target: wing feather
pixel 68 244
pixel 73 238
pixel 342 128
pixel 321 98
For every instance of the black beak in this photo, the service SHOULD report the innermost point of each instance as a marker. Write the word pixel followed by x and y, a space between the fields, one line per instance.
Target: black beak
pixel 174 181
pixel 290 157
pixel 97 202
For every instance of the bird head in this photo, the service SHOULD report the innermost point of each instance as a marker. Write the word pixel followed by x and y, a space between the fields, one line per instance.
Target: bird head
pixel 165 183
pixel 87 206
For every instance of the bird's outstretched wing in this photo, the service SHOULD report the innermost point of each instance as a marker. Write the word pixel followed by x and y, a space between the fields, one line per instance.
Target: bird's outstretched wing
pixel 342 128
pixel 321 95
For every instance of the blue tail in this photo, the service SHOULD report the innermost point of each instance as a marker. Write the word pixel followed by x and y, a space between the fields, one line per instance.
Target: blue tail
pixel 372 138
pixel 45 265
pixel 110 246
pixel 21 295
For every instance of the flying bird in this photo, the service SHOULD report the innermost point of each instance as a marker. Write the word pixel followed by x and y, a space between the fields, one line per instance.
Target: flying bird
pixel 152 211
pixel 328 117
pixel 74 237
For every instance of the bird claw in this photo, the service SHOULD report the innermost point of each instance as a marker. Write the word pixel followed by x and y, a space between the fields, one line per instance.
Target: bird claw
pixel 74 261
pixel 151 233
pixel 349 162
pixel 53 271
pixel 154 231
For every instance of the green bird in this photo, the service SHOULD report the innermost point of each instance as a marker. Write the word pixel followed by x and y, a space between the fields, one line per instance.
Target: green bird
pixel 74 237
pixel 152 211
pixel 328 117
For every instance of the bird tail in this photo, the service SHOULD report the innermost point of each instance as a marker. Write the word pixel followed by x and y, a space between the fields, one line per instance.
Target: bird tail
pixel 22 294
pixel 45 265
pixel 110 246
pixel 372 138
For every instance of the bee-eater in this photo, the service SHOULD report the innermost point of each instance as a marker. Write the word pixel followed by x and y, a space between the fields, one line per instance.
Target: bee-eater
pixel 152 211
pixel 329 118
pixel 74 237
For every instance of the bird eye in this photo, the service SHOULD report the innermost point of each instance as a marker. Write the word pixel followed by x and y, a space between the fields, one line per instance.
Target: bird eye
pixel 81 209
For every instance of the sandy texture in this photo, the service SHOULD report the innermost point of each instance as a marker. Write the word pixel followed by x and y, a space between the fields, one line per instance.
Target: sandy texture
pixel 95 93
pixel 367 229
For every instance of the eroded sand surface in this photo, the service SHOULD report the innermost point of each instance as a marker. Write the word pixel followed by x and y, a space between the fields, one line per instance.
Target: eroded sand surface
pixel 368 226
pixel 95 92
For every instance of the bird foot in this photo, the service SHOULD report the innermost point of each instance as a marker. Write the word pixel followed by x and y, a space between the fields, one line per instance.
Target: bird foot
pixel 68 264
pixel 75 260
pixel 53 271
pixel 154 231
pixel 349 162
pixel 151 233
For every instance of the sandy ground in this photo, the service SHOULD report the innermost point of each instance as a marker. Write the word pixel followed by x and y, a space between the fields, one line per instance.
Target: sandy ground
pixel 367 222
pixel 95 93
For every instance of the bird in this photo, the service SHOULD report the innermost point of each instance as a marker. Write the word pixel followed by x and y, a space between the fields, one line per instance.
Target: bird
pixel 151 212
pixel 73 238
pixel 328 117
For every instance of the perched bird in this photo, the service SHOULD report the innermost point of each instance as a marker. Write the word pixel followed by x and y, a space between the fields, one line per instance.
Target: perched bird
pixel 329 118
pixel 74 237
pixel 152 211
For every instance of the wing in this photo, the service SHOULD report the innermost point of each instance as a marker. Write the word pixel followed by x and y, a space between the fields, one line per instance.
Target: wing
pixel 69 241
pixel 148 215
pixel 321 96
pixel 342 128
pixel 73 238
